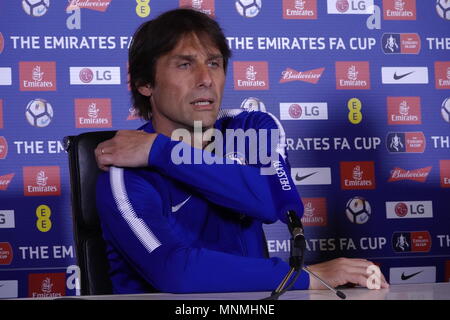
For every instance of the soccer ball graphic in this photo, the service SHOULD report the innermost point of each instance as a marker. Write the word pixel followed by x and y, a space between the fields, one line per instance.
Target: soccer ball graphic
pixel 443 9
pixel 248 8
pixel 445 110
pixel 253 104
pixel 39 113
pixel 358 210
pixel 35 8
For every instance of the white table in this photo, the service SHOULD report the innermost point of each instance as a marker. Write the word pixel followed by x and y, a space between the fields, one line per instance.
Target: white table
pixel 425 291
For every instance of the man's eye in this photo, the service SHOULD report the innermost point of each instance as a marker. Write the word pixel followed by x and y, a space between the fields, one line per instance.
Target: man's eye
pixel 214 64
pixel 184 65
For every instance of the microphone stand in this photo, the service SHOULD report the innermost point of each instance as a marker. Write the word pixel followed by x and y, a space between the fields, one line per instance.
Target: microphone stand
pixel 298 245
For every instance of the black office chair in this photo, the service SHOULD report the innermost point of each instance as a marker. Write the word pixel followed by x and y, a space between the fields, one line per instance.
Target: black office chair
pixel 89 245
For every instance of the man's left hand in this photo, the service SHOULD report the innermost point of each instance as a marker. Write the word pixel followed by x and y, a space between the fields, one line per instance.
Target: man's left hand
pixel 128 148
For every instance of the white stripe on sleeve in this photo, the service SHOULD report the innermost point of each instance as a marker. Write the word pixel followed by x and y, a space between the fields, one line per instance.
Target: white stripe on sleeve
pixel 136 224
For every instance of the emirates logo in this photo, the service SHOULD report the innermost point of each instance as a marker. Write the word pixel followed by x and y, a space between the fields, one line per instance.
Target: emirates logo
pixel 93 110
pixel 47 285
pixel 300 4
pixel 403 108
pixel 352 74
pixel 357 173
pixel 250 73
pixel 399 5
pixel 41 179
pixel 309 209
pixel 197 4
pixel 37 74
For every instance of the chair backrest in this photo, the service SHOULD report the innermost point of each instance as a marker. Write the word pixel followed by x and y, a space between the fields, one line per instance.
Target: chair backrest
pixel 89 245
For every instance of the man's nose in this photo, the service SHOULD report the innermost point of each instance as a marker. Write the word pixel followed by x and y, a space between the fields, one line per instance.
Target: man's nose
pixel 203 76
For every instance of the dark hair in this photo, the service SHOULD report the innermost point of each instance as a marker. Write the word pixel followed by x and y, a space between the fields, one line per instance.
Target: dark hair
pixel 159 36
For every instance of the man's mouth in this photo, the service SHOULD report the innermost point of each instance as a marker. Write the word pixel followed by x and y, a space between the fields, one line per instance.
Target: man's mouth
pixel 202 102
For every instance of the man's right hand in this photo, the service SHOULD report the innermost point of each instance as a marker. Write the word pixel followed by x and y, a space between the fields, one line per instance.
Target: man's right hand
pixel 128 148
pixel 343 271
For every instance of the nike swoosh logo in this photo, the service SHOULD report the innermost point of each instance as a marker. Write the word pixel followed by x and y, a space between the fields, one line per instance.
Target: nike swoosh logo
pixel 396 77
pixel 298 178
pixel 403 277
pixel 178 206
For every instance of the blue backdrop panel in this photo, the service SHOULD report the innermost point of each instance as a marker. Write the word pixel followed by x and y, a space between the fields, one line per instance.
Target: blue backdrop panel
pixel 361 88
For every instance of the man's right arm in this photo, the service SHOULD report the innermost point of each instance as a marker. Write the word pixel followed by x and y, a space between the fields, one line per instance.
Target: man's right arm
pixel 240 188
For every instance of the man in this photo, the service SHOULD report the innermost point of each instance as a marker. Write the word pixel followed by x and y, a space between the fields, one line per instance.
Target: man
pixel 191 227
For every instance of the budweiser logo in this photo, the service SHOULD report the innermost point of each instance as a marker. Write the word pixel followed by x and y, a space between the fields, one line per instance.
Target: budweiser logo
pixel 419 175
pixel 5 180
pixel 97 5
pixel 311 76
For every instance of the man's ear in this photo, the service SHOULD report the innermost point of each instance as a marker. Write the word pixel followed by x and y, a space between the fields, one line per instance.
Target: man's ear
pixel 145 90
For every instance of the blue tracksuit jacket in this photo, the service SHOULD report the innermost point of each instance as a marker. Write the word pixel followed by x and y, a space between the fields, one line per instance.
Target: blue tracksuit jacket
pixel 191 227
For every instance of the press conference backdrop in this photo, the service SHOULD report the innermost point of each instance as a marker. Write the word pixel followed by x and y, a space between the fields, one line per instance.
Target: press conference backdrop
pixel 361 88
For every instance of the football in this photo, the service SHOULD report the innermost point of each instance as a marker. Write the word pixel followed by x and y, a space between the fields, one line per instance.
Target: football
pixel 445 110
pixel 253 104
pixel 248 8
pixel 443 9
pixel 39 113
pixel 35 8
pixel 358 210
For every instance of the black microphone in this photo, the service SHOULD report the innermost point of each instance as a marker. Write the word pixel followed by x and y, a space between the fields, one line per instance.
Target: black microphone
pixel 289 209
pixel 298 242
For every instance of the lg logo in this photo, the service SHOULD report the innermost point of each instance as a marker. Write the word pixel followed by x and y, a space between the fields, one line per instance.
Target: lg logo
pixel 401 209
pixel 409 209
pixel 7 219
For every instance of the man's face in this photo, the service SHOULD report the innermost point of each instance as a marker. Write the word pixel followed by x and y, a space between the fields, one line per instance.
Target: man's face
pixel 189 83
